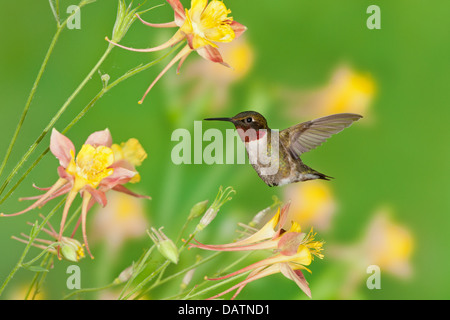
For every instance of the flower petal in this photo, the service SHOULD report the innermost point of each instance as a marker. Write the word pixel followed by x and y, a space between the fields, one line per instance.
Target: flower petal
pixel 199 42
pixel 197 8
pixel 212 54
pixel 121 188
pixel 178 11
pixel 289 242
pixel 214 12
pixel 61 146
pixel 282 220
pixel 100 138
pixel 98 195
pixel 238 29
pixel 296 276
pixel 119 176
pixel 63 174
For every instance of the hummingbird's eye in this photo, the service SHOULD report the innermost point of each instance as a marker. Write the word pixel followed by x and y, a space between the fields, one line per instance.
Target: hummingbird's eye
pixel 249 119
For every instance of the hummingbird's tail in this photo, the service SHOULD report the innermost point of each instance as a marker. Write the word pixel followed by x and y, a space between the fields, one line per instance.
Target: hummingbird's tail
pixel 312 174
pixel 322 176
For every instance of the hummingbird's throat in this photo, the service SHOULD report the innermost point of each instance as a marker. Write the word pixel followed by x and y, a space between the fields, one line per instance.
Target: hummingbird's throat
pixel 251 134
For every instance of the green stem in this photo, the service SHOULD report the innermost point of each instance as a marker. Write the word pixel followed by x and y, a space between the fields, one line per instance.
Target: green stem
pixel 88 107
pixel 26 264
pixel 183 228
pixel 33 236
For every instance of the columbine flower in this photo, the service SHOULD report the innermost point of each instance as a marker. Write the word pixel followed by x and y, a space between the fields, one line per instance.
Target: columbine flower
pixel 204 25
pixel 293 249
pixel 91 173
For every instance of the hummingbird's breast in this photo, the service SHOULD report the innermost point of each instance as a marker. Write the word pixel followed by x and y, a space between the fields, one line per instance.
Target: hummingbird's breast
pixel 269 158
pixel 258 150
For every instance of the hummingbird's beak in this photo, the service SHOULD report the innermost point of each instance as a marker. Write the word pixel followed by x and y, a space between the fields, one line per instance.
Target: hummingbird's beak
pixel 219 119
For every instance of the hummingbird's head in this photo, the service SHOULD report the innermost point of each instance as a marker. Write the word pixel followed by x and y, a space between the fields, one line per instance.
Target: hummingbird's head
pixel 246 120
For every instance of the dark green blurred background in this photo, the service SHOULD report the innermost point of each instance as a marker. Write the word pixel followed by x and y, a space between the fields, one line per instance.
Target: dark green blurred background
pixel 400 158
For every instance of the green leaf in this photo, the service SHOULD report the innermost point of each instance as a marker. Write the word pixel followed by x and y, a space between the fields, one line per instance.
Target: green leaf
pixel 35 268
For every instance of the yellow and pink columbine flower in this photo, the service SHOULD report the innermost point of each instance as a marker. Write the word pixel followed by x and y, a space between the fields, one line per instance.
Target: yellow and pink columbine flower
pixel 293 251
pixel 95 170
pixel 203 26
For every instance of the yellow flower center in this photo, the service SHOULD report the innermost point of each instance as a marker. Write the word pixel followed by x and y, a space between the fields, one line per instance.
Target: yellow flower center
pixel 91 166
pixel 315 247
pixel 208 23
pixel 80 252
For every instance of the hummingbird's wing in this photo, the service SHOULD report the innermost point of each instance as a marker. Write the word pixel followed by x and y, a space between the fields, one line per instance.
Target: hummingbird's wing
pixel 311 134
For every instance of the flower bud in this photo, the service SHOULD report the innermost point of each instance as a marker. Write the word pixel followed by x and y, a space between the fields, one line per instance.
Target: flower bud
pixel 187 279
pixel 198 209
pixel 125 18
pixel 164 245
pixel 125 275
pixel 105 79
pixel 71 249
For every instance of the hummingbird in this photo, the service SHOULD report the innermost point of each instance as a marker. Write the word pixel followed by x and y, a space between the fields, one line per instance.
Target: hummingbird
pixel 261 141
